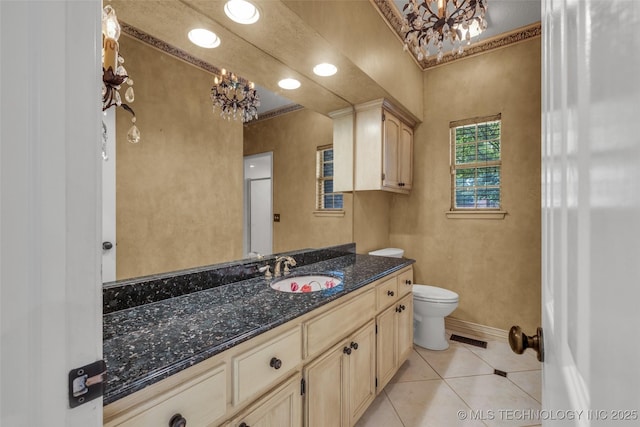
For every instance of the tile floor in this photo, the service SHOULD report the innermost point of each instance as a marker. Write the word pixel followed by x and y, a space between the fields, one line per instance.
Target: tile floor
pixel 458 387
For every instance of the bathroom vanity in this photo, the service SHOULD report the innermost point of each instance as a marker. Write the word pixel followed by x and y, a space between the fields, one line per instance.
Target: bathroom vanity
pixel 243 354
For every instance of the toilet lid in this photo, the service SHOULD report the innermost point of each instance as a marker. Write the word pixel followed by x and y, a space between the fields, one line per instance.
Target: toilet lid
pixel 433 293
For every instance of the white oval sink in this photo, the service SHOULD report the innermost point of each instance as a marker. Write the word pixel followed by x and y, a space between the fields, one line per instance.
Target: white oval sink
pixel 306 283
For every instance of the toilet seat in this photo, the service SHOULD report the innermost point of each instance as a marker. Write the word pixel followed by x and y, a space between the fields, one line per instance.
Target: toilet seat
pixel 434 294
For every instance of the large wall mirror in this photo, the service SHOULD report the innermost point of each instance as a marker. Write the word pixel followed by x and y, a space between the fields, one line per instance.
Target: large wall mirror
pixel 181 192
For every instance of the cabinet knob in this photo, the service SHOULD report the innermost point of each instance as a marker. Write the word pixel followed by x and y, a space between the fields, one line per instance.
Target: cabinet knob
pixel 407 282
pixel 354 345
pixel 390 293
pixel 243 424
pixel 346 350
pixel 107 245
pixel 398 310
pixel 402 307
pixel 275 363
pixel 178 421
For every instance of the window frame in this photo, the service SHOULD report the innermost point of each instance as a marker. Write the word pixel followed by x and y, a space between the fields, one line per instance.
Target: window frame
pixel 320 181
pixel 475 165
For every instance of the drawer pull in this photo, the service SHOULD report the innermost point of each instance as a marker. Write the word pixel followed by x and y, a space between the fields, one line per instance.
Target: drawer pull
pixel 346 350
pixel 390 293
pixel 275 363
pixel 178 421
pixel 354 345
pixel 243 424
pixel 407 282
pixel 402 307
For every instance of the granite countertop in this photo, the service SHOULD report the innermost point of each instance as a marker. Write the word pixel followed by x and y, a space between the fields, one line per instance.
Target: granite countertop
pixel 145 344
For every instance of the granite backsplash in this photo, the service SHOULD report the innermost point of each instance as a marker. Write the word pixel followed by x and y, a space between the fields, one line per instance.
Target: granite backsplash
pixel 124 294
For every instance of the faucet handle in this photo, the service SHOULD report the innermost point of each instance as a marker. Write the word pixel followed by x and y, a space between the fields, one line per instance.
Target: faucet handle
pixel 266 270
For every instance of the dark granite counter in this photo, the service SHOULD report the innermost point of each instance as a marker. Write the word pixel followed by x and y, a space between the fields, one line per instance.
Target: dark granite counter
pixel 147 343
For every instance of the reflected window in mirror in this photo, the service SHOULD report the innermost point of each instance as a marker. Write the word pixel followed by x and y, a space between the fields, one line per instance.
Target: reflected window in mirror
pixel 326 198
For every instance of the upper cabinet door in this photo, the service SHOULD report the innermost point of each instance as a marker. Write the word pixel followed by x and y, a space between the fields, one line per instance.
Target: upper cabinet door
pixel 405 157
pixel 390 145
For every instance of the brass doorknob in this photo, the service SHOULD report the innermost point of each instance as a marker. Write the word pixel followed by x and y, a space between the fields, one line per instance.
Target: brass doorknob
pixel 519 342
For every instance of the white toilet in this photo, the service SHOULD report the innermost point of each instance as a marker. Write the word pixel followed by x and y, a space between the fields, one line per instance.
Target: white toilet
pixel 430 306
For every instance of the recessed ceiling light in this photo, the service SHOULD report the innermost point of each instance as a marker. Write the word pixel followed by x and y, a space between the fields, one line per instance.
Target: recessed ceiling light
pixel 241 11
pixel 289 84
pixel 204 38
pixel 325 69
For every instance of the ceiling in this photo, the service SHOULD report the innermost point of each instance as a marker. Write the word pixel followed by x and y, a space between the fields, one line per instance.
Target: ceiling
pixel 294 35
pixel 503 17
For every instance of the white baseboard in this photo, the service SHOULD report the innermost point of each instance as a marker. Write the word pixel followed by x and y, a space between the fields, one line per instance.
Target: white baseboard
pixel 465 327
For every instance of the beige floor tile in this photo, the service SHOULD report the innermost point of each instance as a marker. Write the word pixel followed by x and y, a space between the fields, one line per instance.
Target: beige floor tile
pixel 529 381
pixel 499 355
pixel 415 369
pixel 456 361
pixel 496 400
pixel 380 414
pixel 428 403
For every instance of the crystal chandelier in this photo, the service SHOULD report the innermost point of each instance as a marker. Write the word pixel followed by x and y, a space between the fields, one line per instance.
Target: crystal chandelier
pixel 429 23
pixel 235 97
pixel 114 73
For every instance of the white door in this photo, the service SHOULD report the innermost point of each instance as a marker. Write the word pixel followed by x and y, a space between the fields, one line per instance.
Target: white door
pixel 260 230
pixel 50 287
pixel 258 204
pixel 591 211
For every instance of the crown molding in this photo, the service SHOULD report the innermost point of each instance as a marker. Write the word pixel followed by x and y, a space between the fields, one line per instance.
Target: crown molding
pixel 276 112
pixel 394 19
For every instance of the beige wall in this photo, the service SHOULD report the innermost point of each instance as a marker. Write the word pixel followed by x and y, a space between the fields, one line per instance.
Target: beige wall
pixel 294 138
pixel 179 191
pixel 494 265
pixel 371 220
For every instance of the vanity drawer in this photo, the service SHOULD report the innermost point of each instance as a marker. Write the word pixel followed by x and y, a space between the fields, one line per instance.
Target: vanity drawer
pixel 405 282
pixel 256 369
pixel 327 329
pixel 386 293
pixel 200 401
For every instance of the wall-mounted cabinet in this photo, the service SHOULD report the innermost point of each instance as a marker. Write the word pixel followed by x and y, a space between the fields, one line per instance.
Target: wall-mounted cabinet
pixel 373 146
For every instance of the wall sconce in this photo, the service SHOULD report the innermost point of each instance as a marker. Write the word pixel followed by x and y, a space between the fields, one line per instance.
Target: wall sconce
pixel 114 73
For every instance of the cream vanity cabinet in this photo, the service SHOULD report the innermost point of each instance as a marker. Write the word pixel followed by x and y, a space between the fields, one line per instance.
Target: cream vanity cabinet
pixel 317 370
pixel 394 324
pixel 280 408
pixel 380 157
pixel 341 382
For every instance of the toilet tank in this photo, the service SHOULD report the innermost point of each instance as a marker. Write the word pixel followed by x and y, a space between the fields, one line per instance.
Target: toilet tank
pixel 388 252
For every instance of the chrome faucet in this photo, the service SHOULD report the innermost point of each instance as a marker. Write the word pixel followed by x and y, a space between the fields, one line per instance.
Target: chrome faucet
pixel 287 261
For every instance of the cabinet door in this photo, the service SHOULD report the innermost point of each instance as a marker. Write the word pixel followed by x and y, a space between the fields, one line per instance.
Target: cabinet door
pixel 281 408
pixel 324 401
pixel 385 345
pixel 405 329
pixel 405 157
pixel 362 372
pixel 390 143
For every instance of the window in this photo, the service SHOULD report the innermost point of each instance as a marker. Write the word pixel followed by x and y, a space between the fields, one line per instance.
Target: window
pixel 326 199
pixel 476 163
